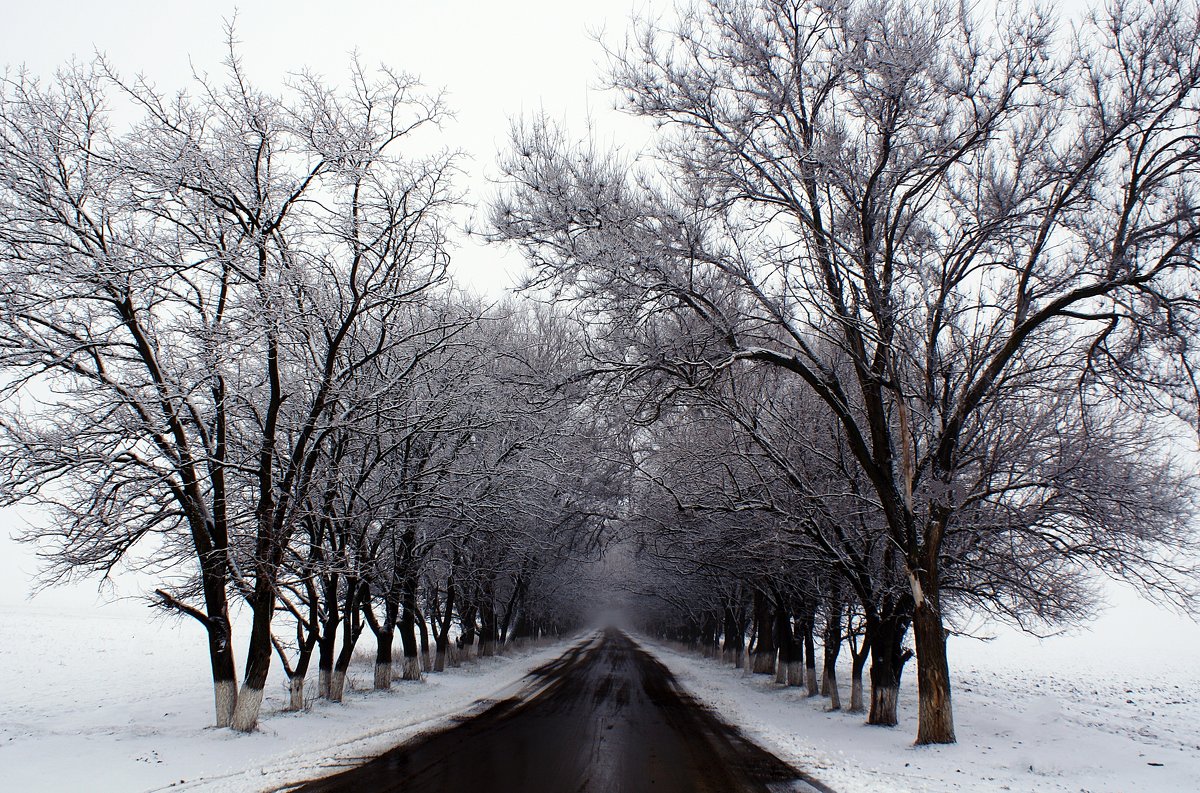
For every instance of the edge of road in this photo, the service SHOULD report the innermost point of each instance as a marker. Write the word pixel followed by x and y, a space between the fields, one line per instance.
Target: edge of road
pixel 660 654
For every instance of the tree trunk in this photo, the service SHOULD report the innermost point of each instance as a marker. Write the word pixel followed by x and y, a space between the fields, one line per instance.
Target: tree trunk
pixel 385 634
pixel 296 692
pixel 408 639
pixel 787 645
pixel 733 638
pixel 858 657
pixel 832 645
pixel 764 645
pixel 467 638
pixel 325 656
pixel 708 635
pixel 835 696
pixel 423 630
pixel 887 663
pixel 441 649
pixel 383 660
pixel 220 656
pixel 516 604
pixel 351 630
pixel 523 627
pixel 796 667
pixel 441 627
pixel 936 715
pixel 337 684
pixel 296 675
pixel 487 626
pixel 810 655
pixel 258 654
pixel 220 642
pixel 328 641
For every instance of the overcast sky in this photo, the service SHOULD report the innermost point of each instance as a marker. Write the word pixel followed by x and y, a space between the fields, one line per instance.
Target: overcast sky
pixel 497 60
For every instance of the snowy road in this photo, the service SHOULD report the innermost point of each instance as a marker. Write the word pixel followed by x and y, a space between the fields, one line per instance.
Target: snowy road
pixel 605 716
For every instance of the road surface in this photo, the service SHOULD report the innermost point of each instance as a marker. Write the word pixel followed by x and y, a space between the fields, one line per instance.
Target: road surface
pixel 605 717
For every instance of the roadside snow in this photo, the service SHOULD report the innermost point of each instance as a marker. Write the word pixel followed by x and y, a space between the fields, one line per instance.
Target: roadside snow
pixel 1066 714
pixel 127 707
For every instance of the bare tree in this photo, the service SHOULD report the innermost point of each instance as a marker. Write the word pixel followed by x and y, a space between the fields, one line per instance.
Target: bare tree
pixel 194 295
pixel 904 211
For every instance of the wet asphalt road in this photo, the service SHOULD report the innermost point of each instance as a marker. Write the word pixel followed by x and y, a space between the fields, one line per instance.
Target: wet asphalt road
pixel 603 717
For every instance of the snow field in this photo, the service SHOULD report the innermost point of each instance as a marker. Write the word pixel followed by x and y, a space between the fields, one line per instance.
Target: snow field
pixel 1024 722
pixel 129 708
pixel 105 699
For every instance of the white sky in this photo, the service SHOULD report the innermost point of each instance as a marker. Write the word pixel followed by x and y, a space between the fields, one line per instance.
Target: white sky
pixel 498 60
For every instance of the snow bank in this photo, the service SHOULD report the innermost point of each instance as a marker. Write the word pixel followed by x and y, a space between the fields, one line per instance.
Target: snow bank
pixel 129 708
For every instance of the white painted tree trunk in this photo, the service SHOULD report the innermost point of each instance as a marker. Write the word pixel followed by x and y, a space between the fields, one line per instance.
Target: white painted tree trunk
pixel 426 663
pixel 885 698
pixel 412 669
pixel 831 686
pixel 856 696
pixel 383 676
pixel 439 661
pixel 337 686
pixel 795 673
pixel 781 672
pixel 323 682
pixel 810 677
pixel 296 693
pixel 245 713
pixel 225 694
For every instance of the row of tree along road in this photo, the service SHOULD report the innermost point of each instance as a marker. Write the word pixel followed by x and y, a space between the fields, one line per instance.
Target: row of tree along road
pixel 890 330
pixel 233 355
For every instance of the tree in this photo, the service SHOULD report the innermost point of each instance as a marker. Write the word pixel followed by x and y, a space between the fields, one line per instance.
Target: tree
pixel 905 212
pixel 195 296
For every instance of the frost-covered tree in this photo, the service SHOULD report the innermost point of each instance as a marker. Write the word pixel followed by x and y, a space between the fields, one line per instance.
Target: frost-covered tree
pixel 186 299
pixel 908 211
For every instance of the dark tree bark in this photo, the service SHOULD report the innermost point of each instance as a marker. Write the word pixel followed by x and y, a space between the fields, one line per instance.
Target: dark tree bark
pixel 352 627
pixel 786 639
pixel 408 636
pixel 466 639
pixel 764 645
pixel 888 656
pixel 810 652
pixel 734 637
pixel 423 634
pixel 936 722
pixel 385 636
pixel 442 628
pixel 832 645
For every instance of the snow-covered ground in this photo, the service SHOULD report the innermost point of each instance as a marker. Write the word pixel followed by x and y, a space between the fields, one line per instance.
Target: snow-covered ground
pixel 104 698
pixel 127 708
pixel 1096 712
